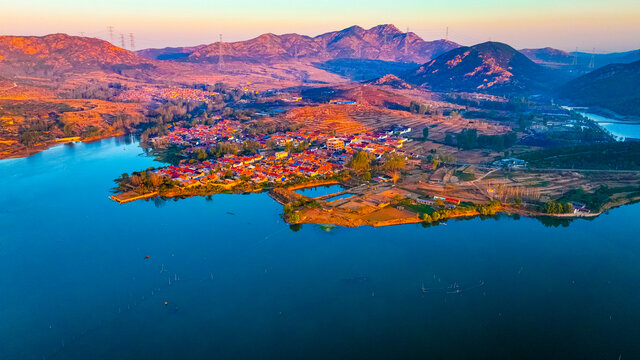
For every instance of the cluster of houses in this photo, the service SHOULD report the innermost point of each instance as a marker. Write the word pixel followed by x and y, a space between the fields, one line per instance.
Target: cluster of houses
pixel 231 169
pixel 201 135
pixel 149 93
pixel 324 156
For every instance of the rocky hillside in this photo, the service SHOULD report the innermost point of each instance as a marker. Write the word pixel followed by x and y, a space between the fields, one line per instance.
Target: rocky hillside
pixel 383 42
pixel 58 54
pixel 391 81
pixel 615 87
pixel 169 53
pixel 488 67
pixel 549 57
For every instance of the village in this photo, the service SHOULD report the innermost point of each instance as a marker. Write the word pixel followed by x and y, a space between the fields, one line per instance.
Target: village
pixel 279 158
pixel 231 156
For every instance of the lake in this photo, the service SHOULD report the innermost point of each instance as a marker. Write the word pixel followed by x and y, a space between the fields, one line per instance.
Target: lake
pixel 617 128
pixel 239 283
pixel 318 191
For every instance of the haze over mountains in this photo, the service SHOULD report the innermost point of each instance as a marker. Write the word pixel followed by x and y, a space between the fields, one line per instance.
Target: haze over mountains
pixel 578 61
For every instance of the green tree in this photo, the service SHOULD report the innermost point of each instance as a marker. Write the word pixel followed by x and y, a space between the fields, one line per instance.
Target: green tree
pixel 448 140
pixel 425 133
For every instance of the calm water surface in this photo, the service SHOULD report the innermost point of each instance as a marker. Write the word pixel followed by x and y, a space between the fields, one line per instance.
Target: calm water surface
pixel 615 127
pixel 321 190
pixel 240 284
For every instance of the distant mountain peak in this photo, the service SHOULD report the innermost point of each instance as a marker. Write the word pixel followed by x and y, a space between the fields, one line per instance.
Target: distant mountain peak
pixel 385 29
pixel 489 66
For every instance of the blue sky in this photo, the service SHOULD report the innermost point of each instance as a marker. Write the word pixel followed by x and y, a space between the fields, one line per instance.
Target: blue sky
pixel 611 25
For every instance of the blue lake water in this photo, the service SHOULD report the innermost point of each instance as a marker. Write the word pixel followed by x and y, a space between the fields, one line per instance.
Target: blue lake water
pixel 615 127
pixel 339 197
pixel 320 190
pixel 240 284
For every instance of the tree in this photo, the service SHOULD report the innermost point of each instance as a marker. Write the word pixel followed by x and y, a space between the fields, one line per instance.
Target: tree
pixel 136 180
pixel 366 176
pixel 425 133
pixel 156 180
pixel 201 154
pixel 394 162
pixel 288 147
pixel 30 138
pixel 414 106
pixel 426 218
pixel 467 139
pixel 68 130
pixel 448 140
pixel 294 217
pixel 568 208
pixel 360 162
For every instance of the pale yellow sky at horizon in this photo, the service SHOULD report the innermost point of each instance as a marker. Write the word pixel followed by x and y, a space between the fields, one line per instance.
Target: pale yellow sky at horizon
pixel 588 24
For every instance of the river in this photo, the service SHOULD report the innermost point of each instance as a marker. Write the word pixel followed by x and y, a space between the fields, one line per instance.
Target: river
pixel 239 283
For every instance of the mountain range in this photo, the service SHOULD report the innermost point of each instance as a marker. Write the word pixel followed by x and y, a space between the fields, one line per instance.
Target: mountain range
pixel 381 55
pixel 580 62
pixel 382 42
pixel 615 87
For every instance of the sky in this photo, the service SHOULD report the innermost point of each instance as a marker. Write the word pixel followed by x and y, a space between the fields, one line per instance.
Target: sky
pixel 603 25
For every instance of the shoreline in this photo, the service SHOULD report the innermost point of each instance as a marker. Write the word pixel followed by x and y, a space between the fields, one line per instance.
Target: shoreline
pixel 323 213
pixel 38 148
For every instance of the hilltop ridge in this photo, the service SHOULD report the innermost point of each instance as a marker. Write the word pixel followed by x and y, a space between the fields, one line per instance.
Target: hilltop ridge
pixel 383 42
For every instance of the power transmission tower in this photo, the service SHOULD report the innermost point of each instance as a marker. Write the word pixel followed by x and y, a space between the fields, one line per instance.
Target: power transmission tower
pixel 406 43
pixel 132 42
pixel 220 57
pixel 110 30
pixel 122 44
pixel 82 33
pixel 575 58
pixel 446 36
pixel 592 63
